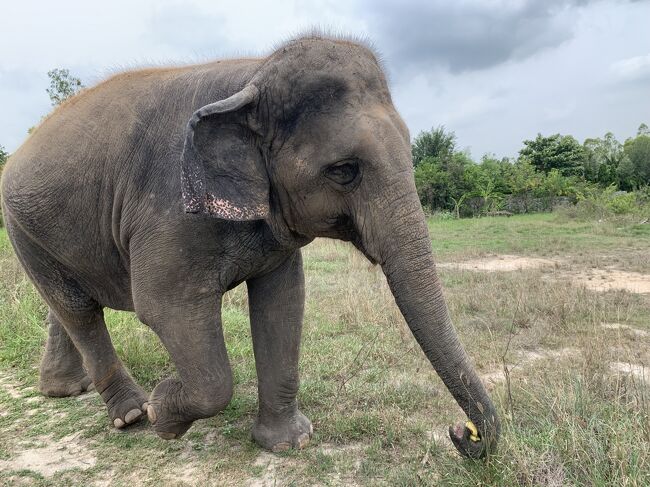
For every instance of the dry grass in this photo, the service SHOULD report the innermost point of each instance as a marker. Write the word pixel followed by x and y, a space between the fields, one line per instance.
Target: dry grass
pixel 380 412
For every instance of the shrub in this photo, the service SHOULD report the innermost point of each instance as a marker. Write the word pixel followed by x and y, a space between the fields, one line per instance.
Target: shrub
pixel 608 203
pixel 622 203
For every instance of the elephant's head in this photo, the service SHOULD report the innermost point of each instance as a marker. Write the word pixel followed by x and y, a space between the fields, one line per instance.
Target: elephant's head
pixel 313 145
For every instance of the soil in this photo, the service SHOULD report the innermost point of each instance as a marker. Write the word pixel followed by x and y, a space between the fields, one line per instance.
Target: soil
pixel 500 263
pixel 599 280
pixel 612 280
pixel 55 456
pixel 526 357
pixel 626 329
pixel 637 371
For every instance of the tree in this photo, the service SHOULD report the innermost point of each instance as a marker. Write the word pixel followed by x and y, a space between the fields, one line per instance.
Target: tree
pixel 638 151
pixel 626 174
pixel 441 183
pixel 602 158
pixel 643 130
pixel 561 152
pixel 557 185
pixel 62 85
pixel 432 184
pixel 436 143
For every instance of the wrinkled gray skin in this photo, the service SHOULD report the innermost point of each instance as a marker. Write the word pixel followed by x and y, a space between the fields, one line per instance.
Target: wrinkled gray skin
pixel 159 190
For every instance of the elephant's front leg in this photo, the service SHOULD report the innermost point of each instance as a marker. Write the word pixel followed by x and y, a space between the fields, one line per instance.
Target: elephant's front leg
pixel 276 302
pixel 194 339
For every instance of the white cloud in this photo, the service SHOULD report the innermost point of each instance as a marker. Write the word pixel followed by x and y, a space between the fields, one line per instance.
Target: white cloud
pixel 632 69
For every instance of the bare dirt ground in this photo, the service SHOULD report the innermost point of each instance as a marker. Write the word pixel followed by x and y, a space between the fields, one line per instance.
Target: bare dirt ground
pixel 595 279
pixel 53 456
pixel 500 263
pixel 43 454
pixel 612 279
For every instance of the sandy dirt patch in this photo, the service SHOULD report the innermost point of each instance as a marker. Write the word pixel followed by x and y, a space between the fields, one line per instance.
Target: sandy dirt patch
pixel 612 280
pixel 273 466
pixel 332 449
pixel 271 471
pixel 500 263
pixel 188 475
pixel 599 280
pixel 627 329
pixel 523 358
pixel 639 372
pixel 58 455
pixel 7 385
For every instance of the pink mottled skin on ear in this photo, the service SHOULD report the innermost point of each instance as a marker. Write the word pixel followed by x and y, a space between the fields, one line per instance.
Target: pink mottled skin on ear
pixel 226 209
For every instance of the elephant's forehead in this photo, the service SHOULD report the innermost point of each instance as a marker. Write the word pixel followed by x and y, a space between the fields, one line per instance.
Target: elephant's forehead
pixel 370 134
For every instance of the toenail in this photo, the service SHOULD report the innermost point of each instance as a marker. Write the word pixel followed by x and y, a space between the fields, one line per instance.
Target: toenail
pixel 144 407
pixel 167 436
pixel 91 387
pixel 303 440
pixel 151 414
pixel 279 447
pixel 118 422
pixel 132 415
pixel 311 429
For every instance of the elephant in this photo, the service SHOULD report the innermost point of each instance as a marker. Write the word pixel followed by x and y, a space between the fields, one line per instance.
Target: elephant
pixel 158 190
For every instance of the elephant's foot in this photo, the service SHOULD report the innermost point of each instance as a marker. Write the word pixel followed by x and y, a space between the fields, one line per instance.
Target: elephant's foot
pixel 62 373
pixel 61 385
pixel 164 410
pixel 125 400
pixel 282 432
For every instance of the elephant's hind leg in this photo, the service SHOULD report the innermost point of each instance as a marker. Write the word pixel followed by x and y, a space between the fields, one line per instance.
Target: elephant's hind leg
pixel 61 373
pixel 78 335
pixel 125 400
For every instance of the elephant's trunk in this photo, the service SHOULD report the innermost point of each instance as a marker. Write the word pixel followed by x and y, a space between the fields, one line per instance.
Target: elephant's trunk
pixel 404 250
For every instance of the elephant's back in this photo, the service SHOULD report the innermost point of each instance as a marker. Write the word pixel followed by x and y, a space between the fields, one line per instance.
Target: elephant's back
pixel 80 155
pixel 126 130
pixel 106 161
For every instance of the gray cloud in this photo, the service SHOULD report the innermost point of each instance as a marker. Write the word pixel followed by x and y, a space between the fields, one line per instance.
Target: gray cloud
pixel 467 35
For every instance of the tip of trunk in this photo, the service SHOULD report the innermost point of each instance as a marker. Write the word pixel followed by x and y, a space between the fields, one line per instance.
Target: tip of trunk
pixel 472 444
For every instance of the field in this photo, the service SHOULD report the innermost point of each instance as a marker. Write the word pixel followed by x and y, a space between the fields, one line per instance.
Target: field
pixel 554 312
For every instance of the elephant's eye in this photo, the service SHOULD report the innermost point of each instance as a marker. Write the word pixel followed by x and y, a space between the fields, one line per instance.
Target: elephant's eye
pixel 344 172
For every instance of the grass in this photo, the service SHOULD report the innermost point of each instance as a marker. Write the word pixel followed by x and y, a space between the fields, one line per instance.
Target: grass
pixel 379 410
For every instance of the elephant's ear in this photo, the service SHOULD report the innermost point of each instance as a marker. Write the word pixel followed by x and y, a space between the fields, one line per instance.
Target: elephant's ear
pixel 222 171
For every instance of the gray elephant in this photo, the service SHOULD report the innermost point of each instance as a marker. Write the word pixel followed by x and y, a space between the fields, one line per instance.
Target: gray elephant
pixel 117 201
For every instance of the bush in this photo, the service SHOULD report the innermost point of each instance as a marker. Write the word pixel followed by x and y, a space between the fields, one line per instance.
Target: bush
pixel 622 203
pixel 604 204
pixel 443 215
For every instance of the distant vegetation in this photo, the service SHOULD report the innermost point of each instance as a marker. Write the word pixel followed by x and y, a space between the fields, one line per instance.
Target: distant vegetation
pixel 549 170
pixel 62 85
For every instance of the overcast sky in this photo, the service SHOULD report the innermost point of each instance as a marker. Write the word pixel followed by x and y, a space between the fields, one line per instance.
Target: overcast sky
pixel 494 71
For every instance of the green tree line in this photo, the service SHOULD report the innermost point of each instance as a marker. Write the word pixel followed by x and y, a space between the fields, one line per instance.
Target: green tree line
pixel 548 168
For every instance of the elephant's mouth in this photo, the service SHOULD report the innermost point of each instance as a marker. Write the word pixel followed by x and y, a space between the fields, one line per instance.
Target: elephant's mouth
pixel 346 230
